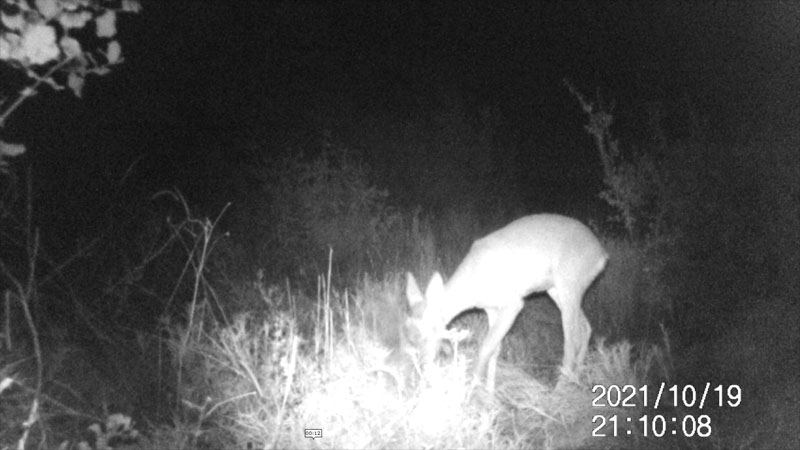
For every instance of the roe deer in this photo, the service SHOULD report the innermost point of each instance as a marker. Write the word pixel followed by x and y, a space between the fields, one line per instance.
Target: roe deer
pixel 541 252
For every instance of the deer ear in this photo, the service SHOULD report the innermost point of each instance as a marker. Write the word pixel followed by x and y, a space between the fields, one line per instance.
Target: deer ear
pixel 435 288
pixel 416 301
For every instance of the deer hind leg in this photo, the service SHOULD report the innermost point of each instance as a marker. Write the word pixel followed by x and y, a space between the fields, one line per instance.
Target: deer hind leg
pixel 500 321
pixel 577 330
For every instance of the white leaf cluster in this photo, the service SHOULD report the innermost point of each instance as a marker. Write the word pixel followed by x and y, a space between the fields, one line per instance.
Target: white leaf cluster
pixel 38 34
pixel 34 44
pixel 41 38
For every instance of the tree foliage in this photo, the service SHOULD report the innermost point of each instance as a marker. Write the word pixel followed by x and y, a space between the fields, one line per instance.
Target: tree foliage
pixel 57 43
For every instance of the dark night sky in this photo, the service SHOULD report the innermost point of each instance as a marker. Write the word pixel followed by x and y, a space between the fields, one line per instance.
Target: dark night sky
pixel 203 78
pixel 231 60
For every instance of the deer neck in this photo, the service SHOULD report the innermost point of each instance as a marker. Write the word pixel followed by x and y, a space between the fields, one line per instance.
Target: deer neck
pixel 459 297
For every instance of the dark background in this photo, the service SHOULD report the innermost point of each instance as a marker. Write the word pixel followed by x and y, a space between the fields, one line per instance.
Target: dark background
pixel 206 82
